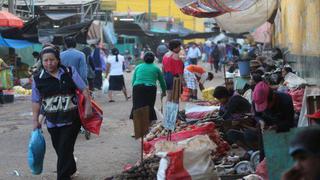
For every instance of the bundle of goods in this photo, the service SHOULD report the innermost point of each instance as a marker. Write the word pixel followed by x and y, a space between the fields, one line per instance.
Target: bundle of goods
pixel 194 111
pixel 207 94
pixel 147 170
pixel 297 98
pixel 208 128
pixel 187 159
pixel 157 130
pixel 22 91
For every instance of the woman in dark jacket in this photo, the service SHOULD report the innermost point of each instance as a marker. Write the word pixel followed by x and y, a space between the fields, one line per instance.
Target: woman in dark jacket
pixel 53 89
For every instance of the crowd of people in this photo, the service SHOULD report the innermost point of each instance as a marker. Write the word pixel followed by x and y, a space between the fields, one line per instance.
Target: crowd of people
pixel 57 75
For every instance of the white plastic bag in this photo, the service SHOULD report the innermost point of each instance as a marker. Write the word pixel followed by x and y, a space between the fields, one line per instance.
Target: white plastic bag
pixel 105 86
pixel 294 81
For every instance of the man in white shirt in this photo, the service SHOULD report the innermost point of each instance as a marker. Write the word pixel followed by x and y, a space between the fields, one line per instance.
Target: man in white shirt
pixel 194 54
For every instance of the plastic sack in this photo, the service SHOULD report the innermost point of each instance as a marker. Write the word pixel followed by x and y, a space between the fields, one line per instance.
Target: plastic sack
pixel 207 94
pixel 297 98
pixel 293 81
pixel 199 112
pixel 92 124
pixel 6 79
pixel 191 162
pixel 206 129
pixel 105 86
pixel 262 170
pixel 36 151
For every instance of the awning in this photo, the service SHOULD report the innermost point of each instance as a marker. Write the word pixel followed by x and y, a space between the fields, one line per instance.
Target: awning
pixel 31 32
pixel 59 15
pixel 213 8
pixel 16 44
pixel 247 20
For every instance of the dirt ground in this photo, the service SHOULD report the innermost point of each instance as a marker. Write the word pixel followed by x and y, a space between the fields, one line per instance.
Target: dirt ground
pixel 100 157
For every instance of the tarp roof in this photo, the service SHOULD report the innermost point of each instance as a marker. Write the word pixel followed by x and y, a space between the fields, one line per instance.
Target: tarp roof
pixel 12 43
pixel 30 32
pixel 54 2
pixel 59 15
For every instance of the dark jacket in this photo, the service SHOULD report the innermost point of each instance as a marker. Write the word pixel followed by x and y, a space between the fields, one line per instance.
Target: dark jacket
pixel 59 100
pixel 281 115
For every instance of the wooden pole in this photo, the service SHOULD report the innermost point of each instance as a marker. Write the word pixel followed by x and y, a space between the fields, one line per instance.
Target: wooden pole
pixel 141 149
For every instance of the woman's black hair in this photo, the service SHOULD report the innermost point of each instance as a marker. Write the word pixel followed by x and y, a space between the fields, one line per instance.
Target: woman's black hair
pixel 257 76
pixel 115 52
pixel 148 57
pixel 221 92
pixel 55 51
pixel 173 44
pixel 288 69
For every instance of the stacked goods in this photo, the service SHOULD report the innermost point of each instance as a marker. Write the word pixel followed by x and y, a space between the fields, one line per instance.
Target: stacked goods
pixel 158 130
pixel 190 131
pixel 22 91
pixel 147 170
pixel 195 111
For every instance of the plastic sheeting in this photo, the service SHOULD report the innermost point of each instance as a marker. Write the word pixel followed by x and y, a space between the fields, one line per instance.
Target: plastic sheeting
pixel 12 43
pixel 263 33
pixel 213 8
pixel 247 20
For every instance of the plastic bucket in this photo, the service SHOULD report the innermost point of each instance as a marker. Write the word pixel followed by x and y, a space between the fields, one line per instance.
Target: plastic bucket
pixel 244 68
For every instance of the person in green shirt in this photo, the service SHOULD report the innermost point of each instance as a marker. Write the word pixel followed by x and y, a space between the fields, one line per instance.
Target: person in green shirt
pixel 144 83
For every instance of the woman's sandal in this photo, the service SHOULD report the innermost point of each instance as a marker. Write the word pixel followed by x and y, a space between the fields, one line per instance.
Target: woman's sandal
pixel 111 101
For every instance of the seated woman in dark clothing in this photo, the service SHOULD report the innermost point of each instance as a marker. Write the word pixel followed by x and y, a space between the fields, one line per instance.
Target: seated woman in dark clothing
pixel 231 104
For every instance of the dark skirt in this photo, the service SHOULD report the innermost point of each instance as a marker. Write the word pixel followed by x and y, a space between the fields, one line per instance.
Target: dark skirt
pixel 168 77
pixel 116 83
pixel 143 95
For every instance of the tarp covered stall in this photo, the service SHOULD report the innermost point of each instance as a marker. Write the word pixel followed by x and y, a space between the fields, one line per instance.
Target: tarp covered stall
pixel 31 32
pixel 247 20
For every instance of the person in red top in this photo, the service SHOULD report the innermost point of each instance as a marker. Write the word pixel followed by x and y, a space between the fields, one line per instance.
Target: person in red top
pixel 172 66
pixel 194 76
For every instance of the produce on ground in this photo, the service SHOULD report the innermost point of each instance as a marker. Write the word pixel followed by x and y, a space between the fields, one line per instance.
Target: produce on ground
pixel 147 170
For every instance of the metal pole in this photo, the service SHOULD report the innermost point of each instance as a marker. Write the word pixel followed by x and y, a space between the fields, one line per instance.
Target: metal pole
pixel 149 13
pixel 11 6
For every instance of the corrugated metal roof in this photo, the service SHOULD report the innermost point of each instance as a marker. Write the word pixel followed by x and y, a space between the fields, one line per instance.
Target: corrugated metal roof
pixel 55 2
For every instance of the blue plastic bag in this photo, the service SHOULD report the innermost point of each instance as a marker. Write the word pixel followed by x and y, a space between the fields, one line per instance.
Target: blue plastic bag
pixel 36 151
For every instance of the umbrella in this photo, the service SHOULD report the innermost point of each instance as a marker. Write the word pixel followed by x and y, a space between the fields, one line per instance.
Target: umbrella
pixel 9 20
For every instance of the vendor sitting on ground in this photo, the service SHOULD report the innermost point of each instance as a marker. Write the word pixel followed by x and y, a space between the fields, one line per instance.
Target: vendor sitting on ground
pixel 231 104
pixel 231 108
pixel 274 110
pixel 195 76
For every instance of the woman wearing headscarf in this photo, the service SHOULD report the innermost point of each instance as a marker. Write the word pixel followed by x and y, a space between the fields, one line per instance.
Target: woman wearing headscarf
pixel 115 68
pixel 144 84
pixel 53 89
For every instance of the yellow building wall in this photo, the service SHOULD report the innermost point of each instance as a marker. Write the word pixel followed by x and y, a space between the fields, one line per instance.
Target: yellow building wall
pixel 162 8
pixel 300 27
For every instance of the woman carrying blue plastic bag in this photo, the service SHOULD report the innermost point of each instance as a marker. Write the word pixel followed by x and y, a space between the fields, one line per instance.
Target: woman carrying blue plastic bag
pixel 53 89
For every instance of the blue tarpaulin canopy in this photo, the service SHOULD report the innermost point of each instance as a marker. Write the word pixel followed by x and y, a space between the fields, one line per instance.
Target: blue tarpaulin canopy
pixel 12 43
